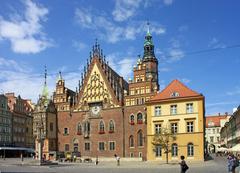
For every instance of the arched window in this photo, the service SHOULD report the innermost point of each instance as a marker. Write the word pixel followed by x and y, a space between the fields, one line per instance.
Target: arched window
pixel 139 118
pixel 86 128
pixel 140 138
pixel 111 126
pixel 75 145
pixel 190 150
pixel 131 141
pixel 101 127
pixel 174 150
pixel 132 119
pixel 79 129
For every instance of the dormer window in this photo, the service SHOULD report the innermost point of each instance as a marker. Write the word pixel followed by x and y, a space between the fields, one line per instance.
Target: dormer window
pixel 175 94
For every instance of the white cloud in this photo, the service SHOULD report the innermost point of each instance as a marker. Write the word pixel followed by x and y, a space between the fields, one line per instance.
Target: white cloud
pixel 185 80
pixel 79 45
pixel 219 104
pixel 84 17
pixel 175 55
pixel 168 2
pixel 109 30
pixel 125 9
pixel 25 33
pixel 123 67
pixel 21 79
pixel 215 43
pixel 164 69
pixel 236 91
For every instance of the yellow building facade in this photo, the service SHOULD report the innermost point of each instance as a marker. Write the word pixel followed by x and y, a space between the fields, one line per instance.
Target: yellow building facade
pixel 181 111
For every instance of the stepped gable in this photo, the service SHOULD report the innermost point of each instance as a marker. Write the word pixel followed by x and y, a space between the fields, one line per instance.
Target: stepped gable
pixel 174 90
pixel 100 83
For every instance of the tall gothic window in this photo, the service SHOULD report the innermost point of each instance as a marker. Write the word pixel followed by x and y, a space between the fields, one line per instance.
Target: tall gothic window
pixel 75 145
pixel 111 126
pixel 140 138
pixel 132 119
pixel 131 141
pixel 101 127
pixel 139 118
pixel 79 129
pixel 86 127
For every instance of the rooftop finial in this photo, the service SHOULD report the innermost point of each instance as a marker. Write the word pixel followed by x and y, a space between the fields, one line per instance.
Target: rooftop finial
pixel 59 76
pixel 148 27
pixel 45 89
pixel 96 43
pixel 45 75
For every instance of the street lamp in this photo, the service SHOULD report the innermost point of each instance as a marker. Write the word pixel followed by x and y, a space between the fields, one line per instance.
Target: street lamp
pixel 4 151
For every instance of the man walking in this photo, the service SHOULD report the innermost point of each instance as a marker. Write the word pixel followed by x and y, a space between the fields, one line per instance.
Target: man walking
pixel 118 159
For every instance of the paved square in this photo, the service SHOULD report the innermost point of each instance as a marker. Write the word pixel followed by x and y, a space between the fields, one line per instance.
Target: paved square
pixel 218 165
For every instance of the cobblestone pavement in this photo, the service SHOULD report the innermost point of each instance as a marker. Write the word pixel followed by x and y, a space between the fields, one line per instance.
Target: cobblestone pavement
pixel 218 165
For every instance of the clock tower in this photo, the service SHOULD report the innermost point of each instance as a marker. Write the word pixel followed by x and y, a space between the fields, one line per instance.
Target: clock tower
pixel 150 61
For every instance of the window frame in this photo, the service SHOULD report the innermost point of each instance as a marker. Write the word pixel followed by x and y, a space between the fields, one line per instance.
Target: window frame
pixel 158 112
pixel 189 108
pixel 100 146
pixel 173 109
pixel 190 126
pixel 190 150
pixel 158 128
pixel 158 151
pixel 111 126
pixel 110 146
pixel 174 150
pixel 174 129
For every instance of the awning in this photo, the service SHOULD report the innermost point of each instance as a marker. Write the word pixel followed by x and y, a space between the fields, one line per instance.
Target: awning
pixel 222 149
pixel 18 148
pixel 235 148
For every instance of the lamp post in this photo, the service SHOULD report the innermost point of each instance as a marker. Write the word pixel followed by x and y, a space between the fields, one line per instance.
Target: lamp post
pixel 4 156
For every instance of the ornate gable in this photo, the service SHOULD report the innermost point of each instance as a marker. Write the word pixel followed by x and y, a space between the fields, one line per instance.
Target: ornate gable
pixel 100 84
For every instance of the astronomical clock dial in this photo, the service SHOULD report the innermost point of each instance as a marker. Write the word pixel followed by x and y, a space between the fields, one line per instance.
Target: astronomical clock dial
pixel 95 110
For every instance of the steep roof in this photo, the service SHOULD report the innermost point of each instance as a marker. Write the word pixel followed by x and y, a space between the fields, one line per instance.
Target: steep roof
pixel 214 121
pixel 174 90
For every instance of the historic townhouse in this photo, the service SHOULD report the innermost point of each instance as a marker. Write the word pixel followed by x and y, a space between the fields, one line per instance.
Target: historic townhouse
pixel 5 122
pixel 21 111
pixel 181 111
pixel 106 115
pixel 214 124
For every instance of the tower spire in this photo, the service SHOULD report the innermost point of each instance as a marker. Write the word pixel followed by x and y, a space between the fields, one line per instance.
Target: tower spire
pixel 148 45
pixel 45 89
pixel 148 28
pixel 45 75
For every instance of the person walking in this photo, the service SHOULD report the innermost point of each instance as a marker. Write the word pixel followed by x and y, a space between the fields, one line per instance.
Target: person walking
pixel 183 166
pixel 96 160
pixel 231 162
pixel 118 159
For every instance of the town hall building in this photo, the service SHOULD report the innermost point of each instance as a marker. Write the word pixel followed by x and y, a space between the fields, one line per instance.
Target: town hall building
pixel 106 115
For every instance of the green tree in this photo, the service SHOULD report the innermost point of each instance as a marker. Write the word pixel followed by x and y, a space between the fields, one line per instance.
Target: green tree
pixel 163 138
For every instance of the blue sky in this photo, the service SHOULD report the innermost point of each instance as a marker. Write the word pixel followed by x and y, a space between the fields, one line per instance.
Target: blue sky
pixel 196 42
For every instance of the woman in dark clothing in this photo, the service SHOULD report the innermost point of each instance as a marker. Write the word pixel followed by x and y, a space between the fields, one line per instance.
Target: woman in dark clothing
pixel 183 165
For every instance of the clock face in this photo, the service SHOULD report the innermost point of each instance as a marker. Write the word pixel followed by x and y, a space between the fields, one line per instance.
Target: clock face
pixel 95 110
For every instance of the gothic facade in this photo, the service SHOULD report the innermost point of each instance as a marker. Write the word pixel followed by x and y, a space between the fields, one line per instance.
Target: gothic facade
pixel 106 115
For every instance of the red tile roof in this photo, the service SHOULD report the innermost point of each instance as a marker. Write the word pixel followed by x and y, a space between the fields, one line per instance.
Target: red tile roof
pixel 180 90
pixel 214 121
